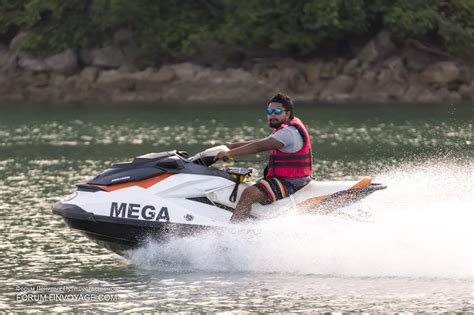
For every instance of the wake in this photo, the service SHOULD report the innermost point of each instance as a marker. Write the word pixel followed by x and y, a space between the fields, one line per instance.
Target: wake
pixel 421 226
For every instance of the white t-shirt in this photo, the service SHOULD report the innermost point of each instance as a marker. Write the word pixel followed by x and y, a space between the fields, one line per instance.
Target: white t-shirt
pixel 290 137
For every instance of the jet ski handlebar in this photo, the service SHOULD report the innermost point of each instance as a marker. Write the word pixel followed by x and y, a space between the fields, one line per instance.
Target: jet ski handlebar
pixel 207 157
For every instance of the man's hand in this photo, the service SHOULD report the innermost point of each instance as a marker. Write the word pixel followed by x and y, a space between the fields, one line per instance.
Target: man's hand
pixel 222 155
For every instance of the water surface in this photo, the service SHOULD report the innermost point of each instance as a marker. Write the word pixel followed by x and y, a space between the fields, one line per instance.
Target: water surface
pixel 412 252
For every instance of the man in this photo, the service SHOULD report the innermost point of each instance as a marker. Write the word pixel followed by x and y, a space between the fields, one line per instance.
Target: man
pixel 289 167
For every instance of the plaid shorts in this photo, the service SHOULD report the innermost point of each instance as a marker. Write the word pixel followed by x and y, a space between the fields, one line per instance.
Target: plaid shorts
pixel 274 189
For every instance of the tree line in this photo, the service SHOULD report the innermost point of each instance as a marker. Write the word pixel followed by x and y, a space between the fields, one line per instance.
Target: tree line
pixel 212 30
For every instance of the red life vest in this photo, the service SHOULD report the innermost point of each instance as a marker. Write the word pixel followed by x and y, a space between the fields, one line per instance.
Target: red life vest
pixel 291 165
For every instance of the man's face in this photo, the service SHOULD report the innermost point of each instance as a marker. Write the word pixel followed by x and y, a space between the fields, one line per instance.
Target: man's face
pixel 275 120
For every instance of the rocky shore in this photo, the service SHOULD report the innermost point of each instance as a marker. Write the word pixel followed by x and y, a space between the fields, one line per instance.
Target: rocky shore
pixel 381 71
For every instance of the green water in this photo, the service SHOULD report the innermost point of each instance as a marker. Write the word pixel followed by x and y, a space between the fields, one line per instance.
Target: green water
pixel 45 150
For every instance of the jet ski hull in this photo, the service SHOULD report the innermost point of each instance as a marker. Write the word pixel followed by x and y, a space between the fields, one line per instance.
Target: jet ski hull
pixel 164 195
pixel 121 234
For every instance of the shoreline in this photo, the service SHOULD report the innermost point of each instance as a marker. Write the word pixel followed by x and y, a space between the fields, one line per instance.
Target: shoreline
pixel 381 72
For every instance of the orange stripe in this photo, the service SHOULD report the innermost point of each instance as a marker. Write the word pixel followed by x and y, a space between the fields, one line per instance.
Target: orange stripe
pixel 364 182
pixel 146 183
pixel 311 201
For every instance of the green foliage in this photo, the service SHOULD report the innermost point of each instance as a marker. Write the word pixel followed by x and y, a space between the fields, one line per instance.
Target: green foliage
pixel 333 19
pixel 176 30
pixel 12 14
pixel 450 20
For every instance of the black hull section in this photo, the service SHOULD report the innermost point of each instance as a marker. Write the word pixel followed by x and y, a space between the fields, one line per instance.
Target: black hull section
pixel 120 234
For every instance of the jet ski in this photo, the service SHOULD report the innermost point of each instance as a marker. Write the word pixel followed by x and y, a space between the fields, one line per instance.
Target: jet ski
pixel 172 194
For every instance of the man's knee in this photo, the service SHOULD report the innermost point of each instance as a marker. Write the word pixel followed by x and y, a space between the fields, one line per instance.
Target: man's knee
pixel 251 195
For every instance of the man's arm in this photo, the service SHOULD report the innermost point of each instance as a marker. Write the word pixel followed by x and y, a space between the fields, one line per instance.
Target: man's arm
pixel 256 146
pixel 236 145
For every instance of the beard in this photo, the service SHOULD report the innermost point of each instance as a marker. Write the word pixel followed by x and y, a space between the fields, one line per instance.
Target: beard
pixel 274 123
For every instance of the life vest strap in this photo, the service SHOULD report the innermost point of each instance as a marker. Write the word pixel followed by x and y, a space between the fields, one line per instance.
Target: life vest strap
pixel 291 157
pixel 289 164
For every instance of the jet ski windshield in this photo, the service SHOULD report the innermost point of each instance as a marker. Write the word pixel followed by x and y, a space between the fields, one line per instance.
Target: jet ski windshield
pixel 207 156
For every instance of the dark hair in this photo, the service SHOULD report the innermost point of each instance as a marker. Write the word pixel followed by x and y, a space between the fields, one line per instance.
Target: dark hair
pixel 284 100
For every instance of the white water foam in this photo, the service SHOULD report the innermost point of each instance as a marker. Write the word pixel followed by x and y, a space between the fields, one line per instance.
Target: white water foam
pixel 422 226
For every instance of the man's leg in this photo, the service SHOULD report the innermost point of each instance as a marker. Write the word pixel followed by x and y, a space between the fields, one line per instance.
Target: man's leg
pixel 249 196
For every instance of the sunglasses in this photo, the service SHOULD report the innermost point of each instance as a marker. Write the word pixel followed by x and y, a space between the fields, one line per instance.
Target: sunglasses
pixel 277 111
